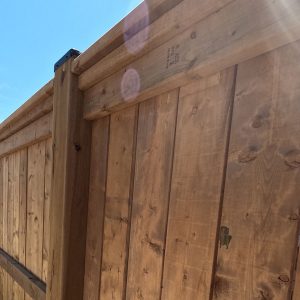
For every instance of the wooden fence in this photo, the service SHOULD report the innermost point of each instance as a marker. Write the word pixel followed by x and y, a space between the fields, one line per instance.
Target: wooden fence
pixel 162 163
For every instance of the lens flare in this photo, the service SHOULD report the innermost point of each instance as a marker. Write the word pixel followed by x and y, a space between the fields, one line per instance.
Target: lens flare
pixel 130 85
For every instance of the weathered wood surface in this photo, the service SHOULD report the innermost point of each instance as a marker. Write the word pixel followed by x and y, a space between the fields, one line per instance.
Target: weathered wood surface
pixel 260 216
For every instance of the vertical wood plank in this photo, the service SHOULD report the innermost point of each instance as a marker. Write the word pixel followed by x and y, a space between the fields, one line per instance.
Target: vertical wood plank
pixel 155 141
pixel 35 208
pixel 204 115
pixel 118 203
pixel 94 240
pixel 70 188
pixel 5 195
pixel 296 292
pixel 17 291
pixel 259 226
pixel 1 226
pixel 23 210
pixel 10 216
pixel 47 199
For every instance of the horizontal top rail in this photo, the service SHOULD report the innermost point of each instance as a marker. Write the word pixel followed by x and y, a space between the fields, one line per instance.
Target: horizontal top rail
pixel 39 100
pixel 115 36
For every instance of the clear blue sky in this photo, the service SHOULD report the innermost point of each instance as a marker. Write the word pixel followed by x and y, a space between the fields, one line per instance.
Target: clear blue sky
pixel 34 34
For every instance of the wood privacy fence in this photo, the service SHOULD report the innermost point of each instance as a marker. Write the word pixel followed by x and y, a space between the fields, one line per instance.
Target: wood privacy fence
pixel 162 163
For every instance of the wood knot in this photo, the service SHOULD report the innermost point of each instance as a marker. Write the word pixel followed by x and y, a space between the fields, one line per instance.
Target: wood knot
pixel 294 217
pixel 248 154
pixel 77 147
pixel 158 249
pixel 185 276
pixel 284 278
pixel 292 159
pixel 261 117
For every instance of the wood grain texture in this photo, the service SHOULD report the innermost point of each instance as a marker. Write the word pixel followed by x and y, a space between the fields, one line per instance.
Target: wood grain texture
pixel 5 196
pixel 70 188
pixel 47 199
pixel 221 40
pixel 35 208
pixel 12 197
pixel 96 206
pixel 204 116
pixel 39 130
pixel 155 141
pixel 259 226
pixel 28 116
pixel 1 226
pixel 118 204
pixel 296 292
pixel 168 25
pixel 13 122
pixel 145 14
pixel 22 230
pixel 17 292
pixel 22 278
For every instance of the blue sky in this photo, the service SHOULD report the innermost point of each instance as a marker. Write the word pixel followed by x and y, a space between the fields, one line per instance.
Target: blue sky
pixel 34 34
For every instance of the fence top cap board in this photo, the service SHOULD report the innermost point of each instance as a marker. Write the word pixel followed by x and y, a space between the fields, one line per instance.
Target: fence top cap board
pixel 45 92
pixel 144 14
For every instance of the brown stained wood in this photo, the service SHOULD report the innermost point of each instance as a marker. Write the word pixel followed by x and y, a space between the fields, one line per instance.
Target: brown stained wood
pixel 155 141
pixel 35 208
pixel 27 113
pixel 167 26
pixel 296 292
pixel 118 203
pixel 11 198
pixel 25 279
pixel 22 210
pixel 1 226
pixel 4 217
pixel 221 40
pixel 204 116
pixel 16 289
pixel 259 226
pixel 114 38
pixel 96 206
pixel 36 112
pixel 39 130
pixel 47 199
pixel 70 189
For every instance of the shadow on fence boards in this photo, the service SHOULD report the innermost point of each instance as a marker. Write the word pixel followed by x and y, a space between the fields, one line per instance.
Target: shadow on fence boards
pixel 162 163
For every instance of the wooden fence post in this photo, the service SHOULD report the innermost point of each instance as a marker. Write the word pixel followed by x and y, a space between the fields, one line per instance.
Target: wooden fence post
pixel 70 187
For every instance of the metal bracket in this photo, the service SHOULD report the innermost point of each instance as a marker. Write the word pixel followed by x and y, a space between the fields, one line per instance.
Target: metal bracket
pixel 67 56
